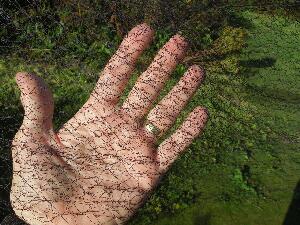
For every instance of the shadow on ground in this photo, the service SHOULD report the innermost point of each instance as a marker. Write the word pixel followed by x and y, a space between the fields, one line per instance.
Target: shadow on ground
pixel 202 219
pixel 293 214
pixel 258 63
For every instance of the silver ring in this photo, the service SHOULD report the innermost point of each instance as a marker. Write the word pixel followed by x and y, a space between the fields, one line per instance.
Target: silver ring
pixel 151 128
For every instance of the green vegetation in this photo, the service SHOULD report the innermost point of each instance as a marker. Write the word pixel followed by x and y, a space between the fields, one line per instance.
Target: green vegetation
pixel 245 166
pixel 244 169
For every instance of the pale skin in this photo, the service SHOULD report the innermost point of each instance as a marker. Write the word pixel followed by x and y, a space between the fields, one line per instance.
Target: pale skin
pixel 100 166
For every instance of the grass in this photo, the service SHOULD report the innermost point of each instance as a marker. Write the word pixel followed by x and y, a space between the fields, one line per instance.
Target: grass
pixel 245 166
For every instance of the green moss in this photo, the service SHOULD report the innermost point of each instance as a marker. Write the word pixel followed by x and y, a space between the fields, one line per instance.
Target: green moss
pixel 244 167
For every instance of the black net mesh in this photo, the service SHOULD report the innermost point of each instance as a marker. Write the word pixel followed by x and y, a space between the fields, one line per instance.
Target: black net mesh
pixel 244 168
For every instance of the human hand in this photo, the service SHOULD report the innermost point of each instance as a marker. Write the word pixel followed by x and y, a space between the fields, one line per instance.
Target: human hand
pixel 100 166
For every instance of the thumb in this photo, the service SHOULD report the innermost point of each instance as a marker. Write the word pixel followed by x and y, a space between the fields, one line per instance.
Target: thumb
pixel 37 101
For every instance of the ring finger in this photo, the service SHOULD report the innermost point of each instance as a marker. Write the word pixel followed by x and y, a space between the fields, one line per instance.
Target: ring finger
pixel 167 110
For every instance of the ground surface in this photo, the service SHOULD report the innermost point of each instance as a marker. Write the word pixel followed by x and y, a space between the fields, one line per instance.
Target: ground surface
pixel 254 183
pixel 246 165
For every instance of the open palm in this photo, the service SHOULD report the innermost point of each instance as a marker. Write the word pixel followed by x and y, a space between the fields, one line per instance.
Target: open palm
pixel 100 166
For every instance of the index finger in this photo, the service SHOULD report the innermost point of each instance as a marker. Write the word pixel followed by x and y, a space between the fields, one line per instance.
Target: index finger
pixel 116 73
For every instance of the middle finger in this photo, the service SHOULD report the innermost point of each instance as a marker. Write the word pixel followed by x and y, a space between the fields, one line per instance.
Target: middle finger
pixel 148 85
